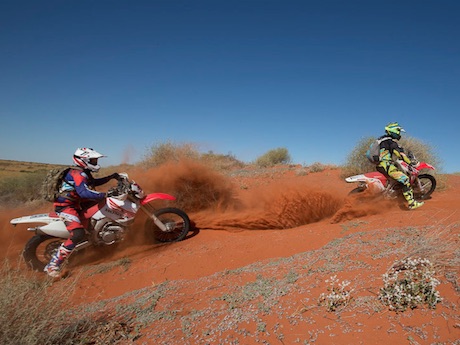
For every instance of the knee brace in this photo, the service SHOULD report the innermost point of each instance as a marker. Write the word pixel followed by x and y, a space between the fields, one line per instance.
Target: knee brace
pixel 77 235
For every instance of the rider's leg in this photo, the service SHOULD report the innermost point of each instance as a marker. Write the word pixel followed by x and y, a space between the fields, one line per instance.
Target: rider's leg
pixel 408 193
pixel 77 233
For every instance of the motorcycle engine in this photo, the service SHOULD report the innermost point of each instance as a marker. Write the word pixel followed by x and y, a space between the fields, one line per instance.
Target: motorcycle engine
pixel 392 190
pixel 109 234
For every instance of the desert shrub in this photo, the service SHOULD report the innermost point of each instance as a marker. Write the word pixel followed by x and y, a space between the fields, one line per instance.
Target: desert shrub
pixel 162 153
pixel 221 162
pixel 317 167
pixel 357 163
pixel 32 311
pixel 273 157
pixel 422 151
pixel 410 283
pixel 22 188
pixel 169 152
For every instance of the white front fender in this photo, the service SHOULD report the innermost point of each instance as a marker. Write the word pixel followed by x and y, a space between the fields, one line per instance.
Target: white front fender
pixel 357 178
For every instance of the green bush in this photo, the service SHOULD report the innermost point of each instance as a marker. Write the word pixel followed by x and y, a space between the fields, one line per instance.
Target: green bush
pixel 274 157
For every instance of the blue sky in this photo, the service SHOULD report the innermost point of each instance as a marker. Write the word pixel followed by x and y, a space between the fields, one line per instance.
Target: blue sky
pixel 234 77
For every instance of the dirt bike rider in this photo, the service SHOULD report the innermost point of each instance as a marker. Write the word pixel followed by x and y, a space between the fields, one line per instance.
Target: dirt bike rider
pixel 387 166
pixel 78 185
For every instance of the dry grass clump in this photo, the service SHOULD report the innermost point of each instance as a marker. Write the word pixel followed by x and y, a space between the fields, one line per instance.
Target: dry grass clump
pixel 20 188
pixel 168 152
pixel 317 167
pixel 439 245
pixel 356 161
pixel 162 153
pixel 34 312
pixel 221 162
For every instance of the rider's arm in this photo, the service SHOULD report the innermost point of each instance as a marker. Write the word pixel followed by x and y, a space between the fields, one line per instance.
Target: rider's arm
pixel 101 181
pixel 399 153
pixel 104 180
pixel 81 186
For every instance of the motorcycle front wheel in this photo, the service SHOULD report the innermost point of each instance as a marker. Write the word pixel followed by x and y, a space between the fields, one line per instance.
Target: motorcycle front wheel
pixel 426 186
pixel 357 190
pixel 39 250
pixel 176 221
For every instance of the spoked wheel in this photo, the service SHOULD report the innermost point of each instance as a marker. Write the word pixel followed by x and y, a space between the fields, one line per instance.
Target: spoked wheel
pixel 426 186
pixel 176 222
pixel 39 250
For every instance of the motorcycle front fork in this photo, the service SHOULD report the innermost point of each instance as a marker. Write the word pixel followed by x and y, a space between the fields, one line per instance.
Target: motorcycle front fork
pixel 150 213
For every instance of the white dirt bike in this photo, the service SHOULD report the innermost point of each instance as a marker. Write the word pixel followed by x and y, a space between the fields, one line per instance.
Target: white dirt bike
pixel 105 222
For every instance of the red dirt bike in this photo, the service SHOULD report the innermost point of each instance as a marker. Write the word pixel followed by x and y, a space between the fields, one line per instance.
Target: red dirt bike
pixel 105 222
pixel 423 185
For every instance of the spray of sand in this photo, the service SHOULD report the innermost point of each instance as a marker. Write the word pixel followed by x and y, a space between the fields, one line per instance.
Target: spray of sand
pixel 13 238
pixel 362 205
pixel 278 206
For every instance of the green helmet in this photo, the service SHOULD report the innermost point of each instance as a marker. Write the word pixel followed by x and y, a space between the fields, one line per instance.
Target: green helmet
pixel 394 130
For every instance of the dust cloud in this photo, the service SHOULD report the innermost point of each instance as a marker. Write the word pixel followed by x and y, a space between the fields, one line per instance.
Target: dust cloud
pixel 196 187
pixel 215 202
pixel 13 238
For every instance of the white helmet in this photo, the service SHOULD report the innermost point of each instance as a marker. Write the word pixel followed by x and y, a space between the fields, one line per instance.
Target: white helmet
pixel 87 159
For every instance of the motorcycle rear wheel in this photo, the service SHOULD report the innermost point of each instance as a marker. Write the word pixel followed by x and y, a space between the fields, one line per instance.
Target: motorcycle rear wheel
pixel 39 250
pixel 176 221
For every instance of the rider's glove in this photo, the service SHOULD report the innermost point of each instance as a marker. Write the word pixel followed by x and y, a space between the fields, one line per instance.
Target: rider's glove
pixel 112 192
pixel 115 176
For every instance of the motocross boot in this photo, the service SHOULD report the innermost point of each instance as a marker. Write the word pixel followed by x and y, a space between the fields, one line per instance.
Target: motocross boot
pixel 53 269
pixel 413 204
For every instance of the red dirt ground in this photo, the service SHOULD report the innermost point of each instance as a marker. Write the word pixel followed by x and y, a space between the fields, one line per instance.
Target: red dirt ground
pixel 255 268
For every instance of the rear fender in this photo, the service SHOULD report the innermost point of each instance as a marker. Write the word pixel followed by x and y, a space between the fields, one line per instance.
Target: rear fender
pixel 155 196
pixel 374 180
pixel 375 175
pixel 46 218
pixel 54 226
pixel 56 229
pixel 424 165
